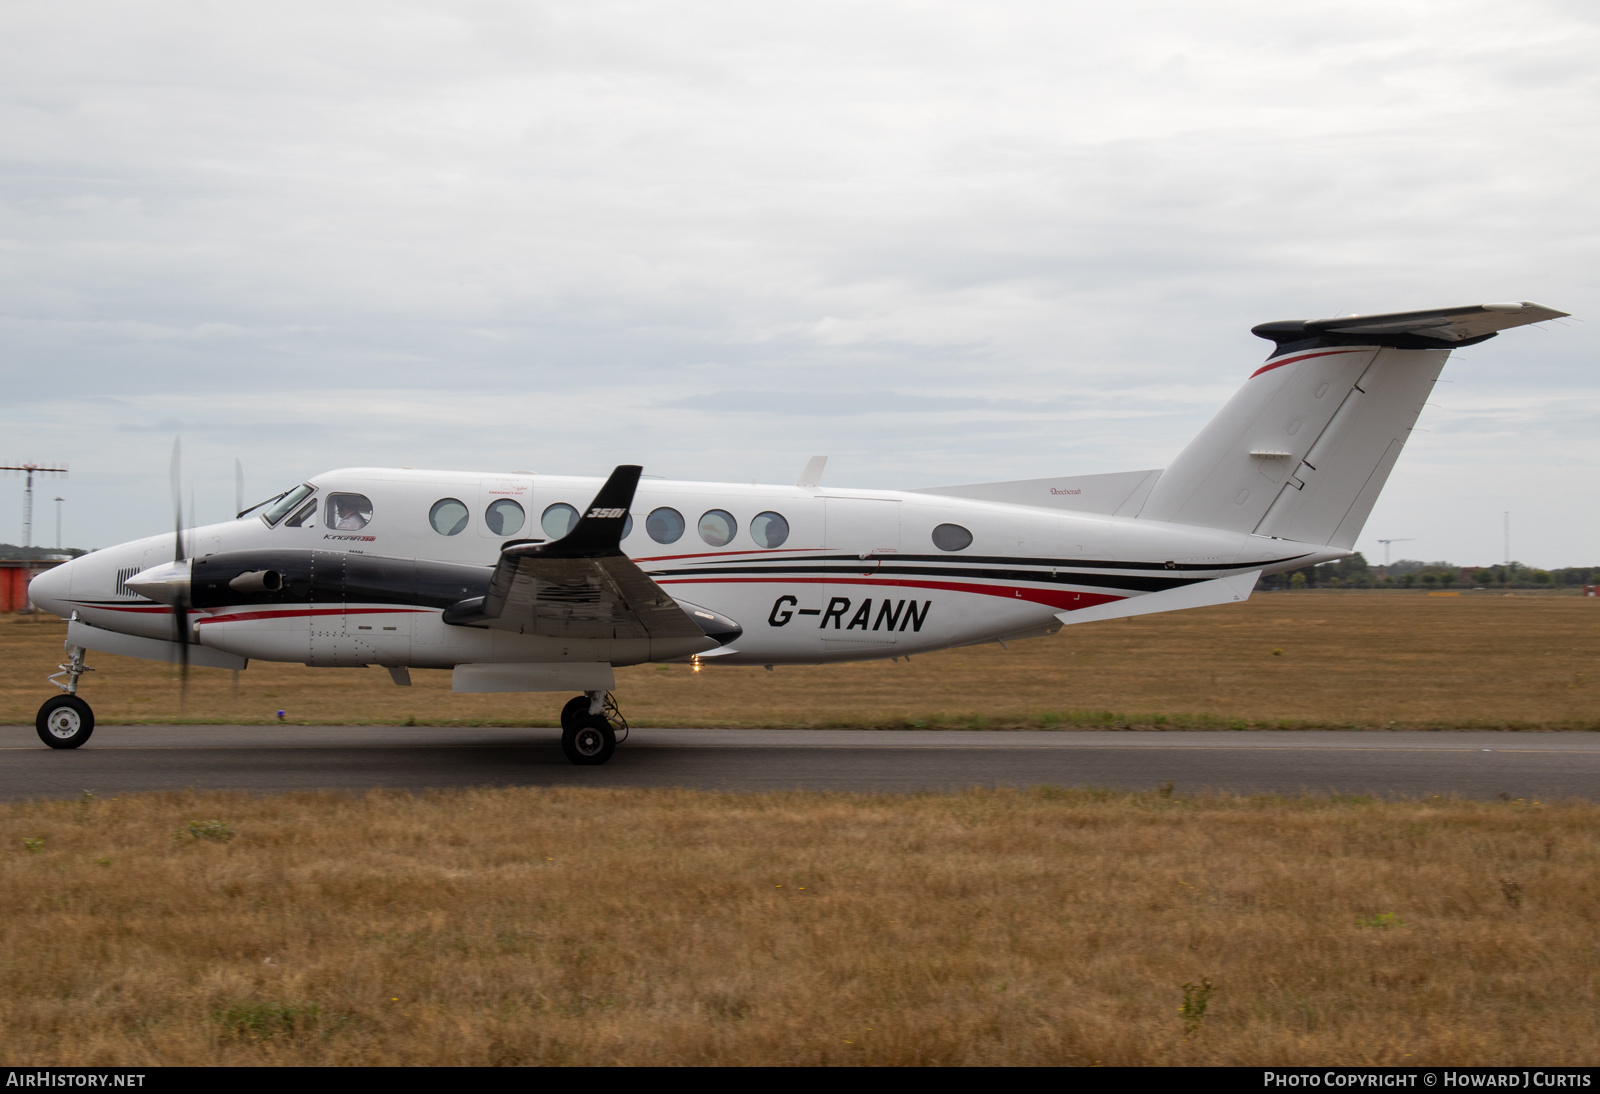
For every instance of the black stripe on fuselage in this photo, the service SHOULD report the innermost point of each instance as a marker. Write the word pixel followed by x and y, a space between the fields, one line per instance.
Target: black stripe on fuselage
pixel 1011 560
pixel 1106 581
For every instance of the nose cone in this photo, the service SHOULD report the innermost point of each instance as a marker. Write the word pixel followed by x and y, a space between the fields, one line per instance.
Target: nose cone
pixel 165 584
pixel 49 590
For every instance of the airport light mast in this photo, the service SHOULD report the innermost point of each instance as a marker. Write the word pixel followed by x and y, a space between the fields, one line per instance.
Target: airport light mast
pixel 1386 542
pixel 30 469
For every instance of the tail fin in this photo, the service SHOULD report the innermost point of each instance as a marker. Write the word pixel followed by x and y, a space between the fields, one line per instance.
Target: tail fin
pixel 1303 449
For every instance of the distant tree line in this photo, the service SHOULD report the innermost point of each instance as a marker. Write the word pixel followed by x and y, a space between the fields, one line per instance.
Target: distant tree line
pixel 11 550
pixel 1410 573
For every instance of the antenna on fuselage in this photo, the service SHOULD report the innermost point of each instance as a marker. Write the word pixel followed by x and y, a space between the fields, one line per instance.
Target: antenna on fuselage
pixel 812 475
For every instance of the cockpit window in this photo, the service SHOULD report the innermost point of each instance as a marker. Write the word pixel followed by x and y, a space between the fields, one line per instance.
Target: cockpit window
pixel 285 503
pixel 348 512
pixel 303 514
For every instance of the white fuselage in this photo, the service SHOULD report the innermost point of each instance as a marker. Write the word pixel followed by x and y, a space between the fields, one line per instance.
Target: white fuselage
pixel 857 576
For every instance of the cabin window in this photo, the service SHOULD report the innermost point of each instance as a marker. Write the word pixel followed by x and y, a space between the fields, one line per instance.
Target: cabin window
pixel 951 537
pixel 348 512
pixel 717 527
pixel 664 525
pixel 285 503
pixel 769 530
pixel 305 513
pixel 504 517
pixel 627 527
pixel 448 517
pixel 558 520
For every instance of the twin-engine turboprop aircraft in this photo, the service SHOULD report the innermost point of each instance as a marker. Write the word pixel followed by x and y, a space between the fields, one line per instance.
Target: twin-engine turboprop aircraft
pixel 524 582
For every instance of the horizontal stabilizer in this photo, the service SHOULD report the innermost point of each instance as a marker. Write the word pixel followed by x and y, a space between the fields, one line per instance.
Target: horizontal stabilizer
pixel 1223 590
pixel 1434 328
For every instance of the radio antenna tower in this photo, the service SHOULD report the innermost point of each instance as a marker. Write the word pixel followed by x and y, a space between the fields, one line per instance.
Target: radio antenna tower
pixel 30 469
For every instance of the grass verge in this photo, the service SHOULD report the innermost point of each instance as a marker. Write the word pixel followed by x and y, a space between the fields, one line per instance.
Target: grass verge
pixel 1046 926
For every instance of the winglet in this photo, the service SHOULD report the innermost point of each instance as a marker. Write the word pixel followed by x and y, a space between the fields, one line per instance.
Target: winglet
pixel 598 532
pixel 812 475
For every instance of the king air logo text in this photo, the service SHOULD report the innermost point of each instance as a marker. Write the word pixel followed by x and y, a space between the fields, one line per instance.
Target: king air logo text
pixel 891 615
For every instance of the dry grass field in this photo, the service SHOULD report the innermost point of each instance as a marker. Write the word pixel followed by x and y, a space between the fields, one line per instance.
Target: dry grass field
pixel 1313 659
pixel 649 927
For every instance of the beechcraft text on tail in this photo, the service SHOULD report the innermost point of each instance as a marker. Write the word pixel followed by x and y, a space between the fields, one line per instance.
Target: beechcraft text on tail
pixel 519 582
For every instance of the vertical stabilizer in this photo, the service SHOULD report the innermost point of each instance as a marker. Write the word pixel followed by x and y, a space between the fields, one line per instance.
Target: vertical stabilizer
pixel 1303 449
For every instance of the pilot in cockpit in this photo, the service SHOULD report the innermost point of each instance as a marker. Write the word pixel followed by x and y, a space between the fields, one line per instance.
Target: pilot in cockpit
pixel 349 517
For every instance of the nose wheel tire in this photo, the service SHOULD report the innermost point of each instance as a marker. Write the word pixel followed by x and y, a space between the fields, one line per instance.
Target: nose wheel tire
pixel 589 743
pixel 65 722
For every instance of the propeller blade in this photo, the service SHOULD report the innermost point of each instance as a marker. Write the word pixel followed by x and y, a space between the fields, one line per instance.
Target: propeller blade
pixel 178 554
pixel 180 606
pixel 180 630
pixel 238 485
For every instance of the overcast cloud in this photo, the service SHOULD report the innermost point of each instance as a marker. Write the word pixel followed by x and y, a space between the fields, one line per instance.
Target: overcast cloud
pixel 940 242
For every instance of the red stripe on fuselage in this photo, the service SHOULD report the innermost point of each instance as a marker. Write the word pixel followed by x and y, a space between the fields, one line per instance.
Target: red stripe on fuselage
pixel 1060 599
pixel 1270 365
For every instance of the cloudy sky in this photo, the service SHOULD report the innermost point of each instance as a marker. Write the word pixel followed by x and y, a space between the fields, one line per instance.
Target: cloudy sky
pixel 939 242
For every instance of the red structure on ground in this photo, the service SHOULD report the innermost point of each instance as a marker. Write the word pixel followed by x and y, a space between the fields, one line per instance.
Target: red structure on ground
pixel 14 577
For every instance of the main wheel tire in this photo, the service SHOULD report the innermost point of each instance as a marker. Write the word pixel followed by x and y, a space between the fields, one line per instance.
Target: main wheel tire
pixel 64 722
pixel 574 712
pixel 591 742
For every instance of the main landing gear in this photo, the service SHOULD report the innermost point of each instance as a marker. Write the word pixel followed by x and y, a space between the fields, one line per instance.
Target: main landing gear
pixel 589 726
pixel 66 721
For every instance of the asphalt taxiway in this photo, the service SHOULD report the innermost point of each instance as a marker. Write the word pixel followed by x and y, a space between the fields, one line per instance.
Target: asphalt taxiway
pixel 275 758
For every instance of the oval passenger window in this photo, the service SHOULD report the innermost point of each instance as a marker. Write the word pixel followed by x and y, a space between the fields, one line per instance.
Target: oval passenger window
pixel 717 527
pixel 558 520
pixel 769 529
pixel 504 517
pixel 664 525
pixel 951 537
pixel 627 527
pixel 448 517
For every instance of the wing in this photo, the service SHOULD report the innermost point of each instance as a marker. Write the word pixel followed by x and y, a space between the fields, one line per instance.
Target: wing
pixel 606 598
pixel 583 586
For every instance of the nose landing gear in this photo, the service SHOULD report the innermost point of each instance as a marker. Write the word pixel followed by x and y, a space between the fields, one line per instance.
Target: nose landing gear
pixel 66 721
pixel 590 724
